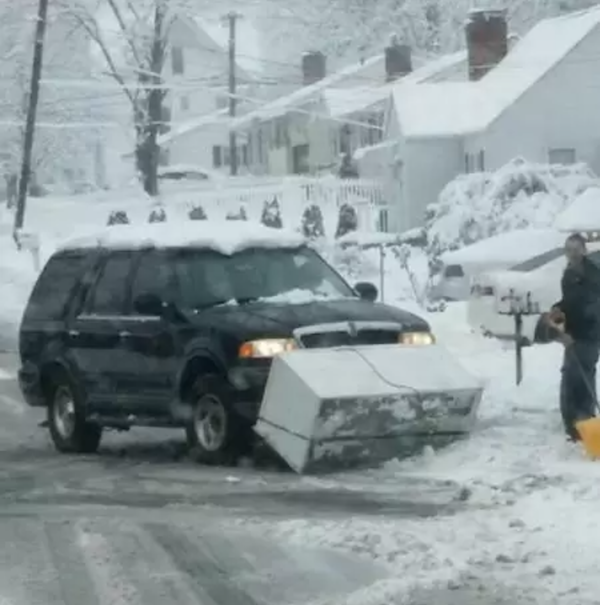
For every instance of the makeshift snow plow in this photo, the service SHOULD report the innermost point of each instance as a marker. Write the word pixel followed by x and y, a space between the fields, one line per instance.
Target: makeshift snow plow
pixel 332 409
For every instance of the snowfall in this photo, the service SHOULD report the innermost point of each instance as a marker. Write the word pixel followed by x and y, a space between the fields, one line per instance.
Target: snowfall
pixel 534 499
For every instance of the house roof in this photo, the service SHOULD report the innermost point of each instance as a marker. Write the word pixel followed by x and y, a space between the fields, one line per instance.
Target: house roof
pixel 191 125
pixel 342 101
pixel 454 108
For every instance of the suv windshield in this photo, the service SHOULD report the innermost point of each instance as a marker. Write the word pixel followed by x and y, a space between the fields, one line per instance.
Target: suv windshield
pixel 208 278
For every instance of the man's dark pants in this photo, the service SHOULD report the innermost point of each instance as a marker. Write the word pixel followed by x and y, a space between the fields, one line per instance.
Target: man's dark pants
pixel 578 384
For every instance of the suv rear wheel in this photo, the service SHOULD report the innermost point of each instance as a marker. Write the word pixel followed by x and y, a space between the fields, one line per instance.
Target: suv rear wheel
pixel 70 431
pixel 215 434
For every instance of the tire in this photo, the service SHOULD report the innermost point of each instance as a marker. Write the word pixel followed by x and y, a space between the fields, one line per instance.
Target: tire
pixel 69 430
pixel 216 436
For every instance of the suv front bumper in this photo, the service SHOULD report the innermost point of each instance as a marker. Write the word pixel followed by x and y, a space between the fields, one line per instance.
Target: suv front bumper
pixel 31 387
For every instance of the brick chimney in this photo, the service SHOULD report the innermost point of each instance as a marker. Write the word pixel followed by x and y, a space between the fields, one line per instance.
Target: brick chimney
pixel 487 40
pixel 314 67
pixel 398 59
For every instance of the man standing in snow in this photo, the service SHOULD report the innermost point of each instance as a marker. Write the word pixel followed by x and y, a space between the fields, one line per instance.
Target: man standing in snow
pixel 577 317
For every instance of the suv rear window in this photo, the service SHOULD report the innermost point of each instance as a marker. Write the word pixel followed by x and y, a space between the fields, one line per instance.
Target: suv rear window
pixel 56 285
pixel 454 271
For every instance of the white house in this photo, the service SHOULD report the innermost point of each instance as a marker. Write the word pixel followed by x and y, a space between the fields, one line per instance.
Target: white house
pixel 537 101
pixel 306 131
pixel 197 73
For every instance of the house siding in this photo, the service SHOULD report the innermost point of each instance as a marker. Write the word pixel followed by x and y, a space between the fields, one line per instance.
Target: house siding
pixel 561 111
pixel 428 166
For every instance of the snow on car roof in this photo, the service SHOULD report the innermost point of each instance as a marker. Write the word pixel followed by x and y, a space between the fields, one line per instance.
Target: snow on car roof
pixel 226 237
pixel 511 247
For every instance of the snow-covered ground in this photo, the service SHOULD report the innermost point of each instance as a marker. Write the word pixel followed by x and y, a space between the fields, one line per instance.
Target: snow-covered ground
pixel 533 497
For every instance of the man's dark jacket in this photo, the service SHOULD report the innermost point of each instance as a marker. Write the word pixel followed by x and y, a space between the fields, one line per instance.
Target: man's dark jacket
pixel 580 304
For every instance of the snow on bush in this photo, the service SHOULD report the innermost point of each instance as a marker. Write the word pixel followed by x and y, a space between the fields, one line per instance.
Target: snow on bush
pixel 313 226
pixel 271 214
pixel 347 220
pixel 475 206
pixel 197 214
pixel 158 215
pixel 240 215
pixel 118 217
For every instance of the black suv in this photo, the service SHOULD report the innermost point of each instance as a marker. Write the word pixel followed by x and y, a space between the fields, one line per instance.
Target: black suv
pixel 141 330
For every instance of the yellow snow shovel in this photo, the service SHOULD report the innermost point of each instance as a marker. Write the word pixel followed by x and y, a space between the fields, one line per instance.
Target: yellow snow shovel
pixel 589 430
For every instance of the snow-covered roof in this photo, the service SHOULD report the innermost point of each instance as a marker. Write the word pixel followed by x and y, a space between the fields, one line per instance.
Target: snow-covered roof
pixel 344 101
pixel 511 247
pixel 350 99
pixel 226 237
pixel 453 108
pixel 217 117
pixel 583 214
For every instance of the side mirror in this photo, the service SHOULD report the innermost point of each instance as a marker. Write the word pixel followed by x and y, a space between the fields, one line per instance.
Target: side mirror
pixel 366 291
pixel 149 304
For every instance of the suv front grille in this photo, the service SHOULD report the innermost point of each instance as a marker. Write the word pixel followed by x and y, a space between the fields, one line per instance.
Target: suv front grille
pixel 348 334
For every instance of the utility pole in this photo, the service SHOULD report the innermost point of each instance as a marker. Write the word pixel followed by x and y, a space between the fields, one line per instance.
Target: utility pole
pixel 232 18
pixel 34 95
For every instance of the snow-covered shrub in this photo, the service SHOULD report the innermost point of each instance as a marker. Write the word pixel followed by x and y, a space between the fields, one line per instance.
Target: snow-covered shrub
pixel 476 206
pixel 313 226
pixel 240 215
pixel 347 220
pixel 271 214
pixel 158 215
pixel 197 214
pixel 118 217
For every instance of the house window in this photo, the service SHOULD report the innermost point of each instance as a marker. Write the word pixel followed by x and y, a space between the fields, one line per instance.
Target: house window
pixel 177 62
pixel 481 160
pixel 184 103
pixel 217 156
pixel 467 163
pixel 300 159
pixel 245 155
pixel 226 156
pixel 561 156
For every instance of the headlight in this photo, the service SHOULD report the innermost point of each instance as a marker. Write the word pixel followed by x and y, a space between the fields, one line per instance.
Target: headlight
pixel 417 338
pixel 269 347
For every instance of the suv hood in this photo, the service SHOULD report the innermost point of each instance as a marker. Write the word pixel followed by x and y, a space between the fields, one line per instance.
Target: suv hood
pixel 278 321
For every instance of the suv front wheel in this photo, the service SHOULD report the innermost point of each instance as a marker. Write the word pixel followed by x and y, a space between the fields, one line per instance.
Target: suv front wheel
pixel 215 434
pixel 70 431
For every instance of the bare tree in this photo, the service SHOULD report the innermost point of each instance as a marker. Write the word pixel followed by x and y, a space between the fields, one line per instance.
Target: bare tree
pixel 135 59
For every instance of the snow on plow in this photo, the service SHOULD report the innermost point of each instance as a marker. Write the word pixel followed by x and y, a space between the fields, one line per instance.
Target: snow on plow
pixel 332 409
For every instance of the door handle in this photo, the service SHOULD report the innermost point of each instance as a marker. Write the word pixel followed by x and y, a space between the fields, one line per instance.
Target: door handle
pixel 74 333
pixel 124 334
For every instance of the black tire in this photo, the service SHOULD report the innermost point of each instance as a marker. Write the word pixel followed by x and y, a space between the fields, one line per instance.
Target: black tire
pixel 69 430
pixel 211 395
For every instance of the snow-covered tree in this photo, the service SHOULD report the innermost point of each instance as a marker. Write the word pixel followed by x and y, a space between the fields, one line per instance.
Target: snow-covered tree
pixel 271 214
pixel 313 225
pixel 197 214
pixel 158 215
pixel 347 220
pixel 118 217
pixel 240 215
pixel 63 143
pixel 135 52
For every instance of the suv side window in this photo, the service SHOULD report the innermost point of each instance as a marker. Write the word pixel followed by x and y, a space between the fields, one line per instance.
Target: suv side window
pixel 154 275
pixel 55 286
pixel 109 295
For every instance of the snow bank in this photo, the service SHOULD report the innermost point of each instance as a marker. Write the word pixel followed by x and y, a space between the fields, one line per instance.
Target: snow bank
pixel 519 195
pixel 583 214
pixel 226 237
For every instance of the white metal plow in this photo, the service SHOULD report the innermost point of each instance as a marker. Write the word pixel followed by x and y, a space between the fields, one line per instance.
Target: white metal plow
pixel 329 409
